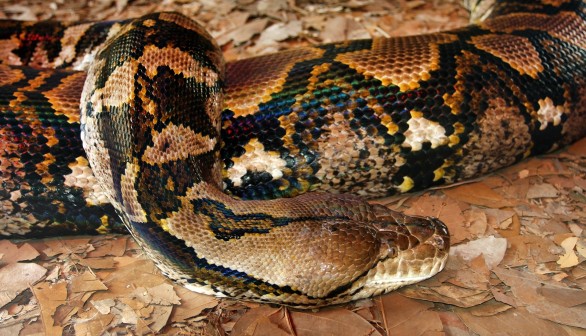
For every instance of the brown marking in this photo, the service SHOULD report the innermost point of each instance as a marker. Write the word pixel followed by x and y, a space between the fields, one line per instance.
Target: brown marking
pixel 177 143
pixel 517 51
pixel 400 61
pixel 502 136
pixel 252 81
pixel 10 75
pixel 179 61
pixel 71 37
pixel 65 97
pixel 118 89
pixel 6 48
pixel 132 206
pixel 566 26
pixel 186 23
pixel 555 3
pixel 572 129
pixel 334 244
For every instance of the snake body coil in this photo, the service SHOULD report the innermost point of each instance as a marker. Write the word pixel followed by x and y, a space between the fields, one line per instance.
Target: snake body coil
pixel 172 138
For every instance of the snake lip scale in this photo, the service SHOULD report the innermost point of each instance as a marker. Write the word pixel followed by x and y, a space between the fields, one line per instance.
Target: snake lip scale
pixel 237 179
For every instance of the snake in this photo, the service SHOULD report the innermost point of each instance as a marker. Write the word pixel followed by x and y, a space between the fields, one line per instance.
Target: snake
pixel 250 179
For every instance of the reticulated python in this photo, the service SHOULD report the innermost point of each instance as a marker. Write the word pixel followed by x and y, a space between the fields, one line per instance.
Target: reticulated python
pixel 202 190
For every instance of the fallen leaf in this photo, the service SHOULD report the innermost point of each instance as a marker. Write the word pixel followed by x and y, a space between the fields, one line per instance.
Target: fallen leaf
pixel 569 258
pixel 404 316
pixel 478 193
pixel 17 277
pixel 543 190
pixel 96 326
pixel 86 282
pixel 513 322
pixel 12 253
pixel 527 288
pixel 331 322
pixel 50 296
pixel 256 322
pixel 489 308
pixel 491 248
pixel 163 294
pixel 192 304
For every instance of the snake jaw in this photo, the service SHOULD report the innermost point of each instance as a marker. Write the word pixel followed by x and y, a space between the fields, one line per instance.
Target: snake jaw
pixel 414 249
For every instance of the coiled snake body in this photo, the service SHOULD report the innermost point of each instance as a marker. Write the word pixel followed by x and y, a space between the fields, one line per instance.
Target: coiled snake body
pixel 217 199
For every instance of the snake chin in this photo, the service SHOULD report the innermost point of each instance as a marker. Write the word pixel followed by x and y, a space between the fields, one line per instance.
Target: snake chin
pixel 411 257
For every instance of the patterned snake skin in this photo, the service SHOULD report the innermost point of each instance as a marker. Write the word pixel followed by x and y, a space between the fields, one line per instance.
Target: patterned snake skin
pixel 208 167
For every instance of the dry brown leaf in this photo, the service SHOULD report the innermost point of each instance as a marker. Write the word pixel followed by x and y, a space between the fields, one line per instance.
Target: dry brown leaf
pixel 491 248
pixel 453 325
pixel 331 322
pixel 569 258
pixel 17 277
pixel 256 322
pixel 71 246
pixel 98 263
pixel 513 322
pixel 528 249
pixel 506 298
pixel 12 253
pixel 528 289
pixel 279 32
pixel 476 276
pixel 95 326
pixel 578 148
pixel 163 294
pixel 404 316
pixel 192 304
pixel 567 297
pixel 476 223
pixel 489 308
pixel 449 294
pixel 243 34
pixel 86 282
pixel 543 190
pixel 478 193
pixel 108 246
pixel 50 296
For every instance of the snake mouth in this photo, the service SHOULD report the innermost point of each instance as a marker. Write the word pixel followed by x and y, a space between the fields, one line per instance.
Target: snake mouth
pixel 414 249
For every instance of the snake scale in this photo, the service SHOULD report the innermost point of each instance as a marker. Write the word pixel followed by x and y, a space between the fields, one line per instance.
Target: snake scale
pixel 208 164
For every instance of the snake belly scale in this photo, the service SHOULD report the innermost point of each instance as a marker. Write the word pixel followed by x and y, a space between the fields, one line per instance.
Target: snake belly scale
pixel 234 178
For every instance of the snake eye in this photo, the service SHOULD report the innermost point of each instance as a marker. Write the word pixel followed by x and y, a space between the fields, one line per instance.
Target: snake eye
pixel 388 251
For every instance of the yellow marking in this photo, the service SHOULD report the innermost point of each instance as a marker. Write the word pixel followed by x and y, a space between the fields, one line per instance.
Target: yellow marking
pixel 170 184
pixel 104 228
pixel 387 121
pixel 149 23
pixel 407 184
pixel 416 114
pixel 453 101
pixel 164 225
pixel 438 173
pixel 315 72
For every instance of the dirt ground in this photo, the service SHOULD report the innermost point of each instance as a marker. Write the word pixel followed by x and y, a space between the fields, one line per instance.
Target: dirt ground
pixel 516 268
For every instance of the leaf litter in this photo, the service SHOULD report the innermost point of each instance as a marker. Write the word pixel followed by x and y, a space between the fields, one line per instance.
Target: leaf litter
pixel 516 268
